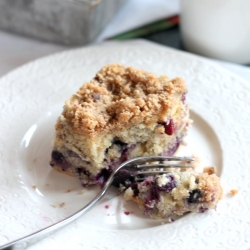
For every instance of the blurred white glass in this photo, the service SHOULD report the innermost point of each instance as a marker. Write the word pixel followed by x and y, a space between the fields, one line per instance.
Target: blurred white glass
pixel 217 28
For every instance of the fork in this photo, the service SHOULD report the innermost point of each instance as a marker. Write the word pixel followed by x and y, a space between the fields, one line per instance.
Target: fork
pixel 139 164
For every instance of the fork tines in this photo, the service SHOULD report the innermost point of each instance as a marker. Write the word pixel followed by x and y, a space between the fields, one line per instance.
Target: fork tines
pixel 149 162
pixel 145 159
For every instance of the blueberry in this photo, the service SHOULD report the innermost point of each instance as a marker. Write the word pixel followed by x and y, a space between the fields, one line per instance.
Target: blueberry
pixel 59 160
pixel 153 196
pixel 120 143
pixel 57 156
pixel 124 176
pixel 195 196
pixel 103 176
pixel 170 185
pixel 135 189
pixel 81 171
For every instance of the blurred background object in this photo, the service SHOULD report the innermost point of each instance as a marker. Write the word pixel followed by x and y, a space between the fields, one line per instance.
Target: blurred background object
pixel 137 13
pixel 68 22
pixel 148 29
pixel 151 20
pixel 217 28
pixel 17 49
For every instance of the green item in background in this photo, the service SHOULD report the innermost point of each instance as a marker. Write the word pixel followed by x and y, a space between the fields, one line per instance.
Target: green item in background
pixel 148 29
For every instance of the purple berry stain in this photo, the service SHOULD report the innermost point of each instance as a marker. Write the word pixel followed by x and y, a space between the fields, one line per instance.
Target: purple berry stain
pixel 169 186
pixel 95 96
pixel 154 190
pixel 127 213
pixel 135 189
pixel 107 206
pixel 203 209
pixel 169 126
pixel 102 177
pixel 183 97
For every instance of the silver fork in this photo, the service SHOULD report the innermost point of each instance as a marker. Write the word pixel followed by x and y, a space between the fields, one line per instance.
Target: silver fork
pixel 139 164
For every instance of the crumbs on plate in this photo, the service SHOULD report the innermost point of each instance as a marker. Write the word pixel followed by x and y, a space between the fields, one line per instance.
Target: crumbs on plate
pixel 234 191
pixel 63 204
pixel 83 191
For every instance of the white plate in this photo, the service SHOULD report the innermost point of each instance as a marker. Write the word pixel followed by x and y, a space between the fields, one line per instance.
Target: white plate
pixel 31 193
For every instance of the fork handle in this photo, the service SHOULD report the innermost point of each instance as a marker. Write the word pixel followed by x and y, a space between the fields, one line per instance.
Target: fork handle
pixel 25 242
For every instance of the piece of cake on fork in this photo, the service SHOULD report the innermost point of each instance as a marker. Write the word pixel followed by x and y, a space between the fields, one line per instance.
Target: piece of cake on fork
pixel 176 193
pixel 120 114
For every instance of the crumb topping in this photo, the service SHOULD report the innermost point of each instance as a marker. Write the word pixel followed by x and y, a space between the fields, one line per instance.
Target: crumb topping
pixel 210 182
pixel 119 97
pixel 209 170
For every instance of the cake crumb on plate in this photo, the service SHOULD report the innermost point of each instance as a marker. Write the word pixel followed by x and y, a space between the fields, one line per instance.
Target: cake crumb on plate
pixel 62 204
pixel 234 191
pixel 83 191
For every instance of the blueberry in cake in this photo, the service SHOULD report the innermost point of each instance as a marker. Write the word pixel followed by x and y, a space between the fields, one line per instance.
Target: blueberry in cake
pixel 175 193
pixel 120 114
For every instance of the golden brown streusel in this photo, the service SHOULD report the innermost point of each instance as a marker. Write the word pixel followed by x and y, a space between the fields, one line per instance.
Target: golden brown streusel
pixel 209 170
pixel 120 97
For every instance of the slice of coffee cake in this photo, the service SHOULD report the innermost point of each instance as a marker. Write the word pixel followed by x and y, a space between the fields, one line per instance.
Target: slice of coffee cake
pixel 120 114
